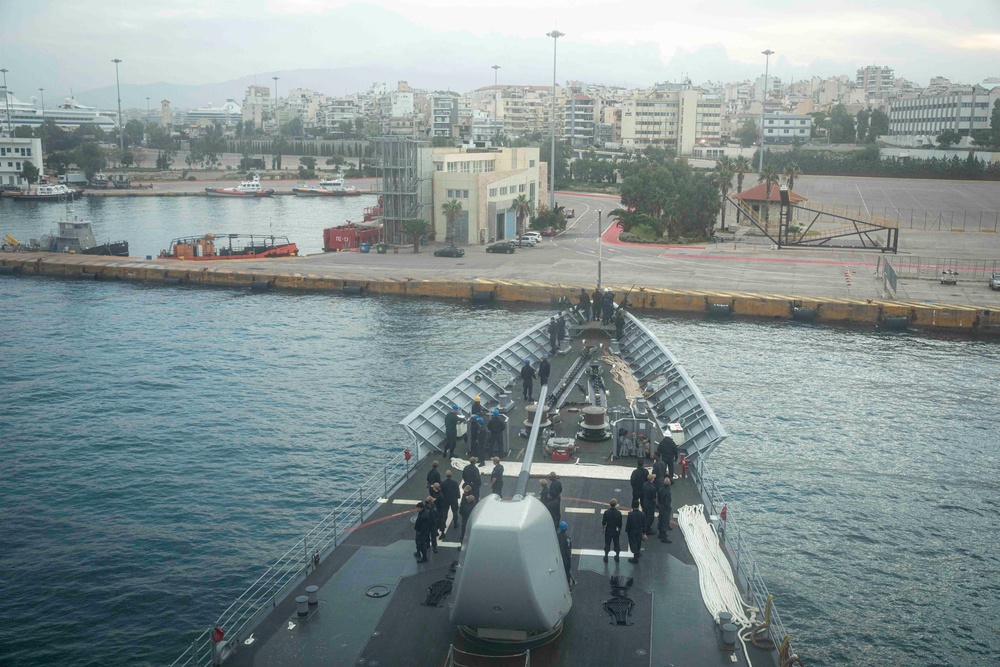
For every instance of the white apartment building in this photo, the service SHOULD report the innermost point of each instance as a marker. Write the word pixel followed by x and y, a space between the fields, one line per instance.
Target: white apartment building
pixel 14 153
pixel 578 120
pixel 444 114
pixel 784 128
pixel 875 81
pixel 332 113
pixel 960 108
pixel 675 119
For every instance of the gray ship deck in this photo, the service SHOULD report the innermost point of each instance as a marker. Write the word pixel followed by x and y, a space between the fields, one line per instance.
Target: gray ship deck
pixel 670 624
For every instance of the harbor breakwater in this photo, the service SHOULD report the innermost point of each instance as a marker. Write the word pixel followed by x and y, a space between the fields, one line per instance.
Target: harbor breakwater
pixel 825 310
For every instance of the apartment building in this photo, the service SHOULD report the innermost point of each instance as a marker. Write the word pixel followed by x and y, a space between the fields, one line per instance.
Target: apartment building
pixel 875 81
pixel 959 108
pixel 444 114
pixel 578 120
pixel 14 153
pixel 674 119
pixel 784 128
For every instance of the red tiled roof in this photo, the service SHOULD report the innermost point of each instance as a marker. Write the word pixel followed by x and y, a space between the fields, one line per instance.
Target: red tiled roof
pixel 758 193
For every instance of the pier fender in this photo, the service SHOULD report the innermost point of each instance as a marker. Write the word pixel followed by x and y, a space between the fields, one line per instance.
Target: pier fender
pixel 720 309
pixel 803 313
pixel 896 322
pixel 84 275
pixel 9 270
pixel 353 290
pixel 261 285
pixel 483 296
pixel 172 281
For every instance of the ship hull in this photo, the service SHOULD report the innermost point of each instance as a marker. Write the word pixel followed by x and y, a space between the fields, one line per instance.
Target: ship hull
pixel 226 192
pixel 115 249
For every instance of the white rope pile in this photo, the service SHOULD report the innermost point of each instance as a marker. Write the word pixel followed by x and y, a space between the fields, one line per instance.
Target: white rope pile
pixel 622 374
pixel 719 590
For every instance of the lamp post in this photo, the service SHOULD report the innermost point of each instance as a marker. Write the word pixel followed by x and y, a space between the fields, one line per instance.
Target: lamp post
pixel 121 131
pixel 41 92
pixel 555 35
pixel 275 99
pixel 763 102
pixel 600 245
pixel 6 98
pixel 496 99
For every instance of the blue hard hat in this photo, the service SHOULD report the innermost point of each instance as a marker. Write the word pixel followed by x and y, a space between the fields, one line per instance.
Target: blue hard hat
pixel 563 525
pixel 454 407
pixel 527 361
pixel 480 420
pixel 496 411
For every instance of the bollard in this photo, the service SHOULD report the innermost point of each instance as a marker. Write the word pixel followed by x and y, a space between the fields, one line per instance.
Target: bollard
pixel 302 605
pixel 313 593
pixel 725 618
pixel 728 637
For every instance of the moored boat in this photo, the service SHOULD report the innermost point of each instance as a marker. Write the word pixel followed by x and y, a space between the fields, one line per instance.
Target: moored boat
pixel 327 188
pixel 77 236
pixel 247 188
pixel 229 246
pixel 46 192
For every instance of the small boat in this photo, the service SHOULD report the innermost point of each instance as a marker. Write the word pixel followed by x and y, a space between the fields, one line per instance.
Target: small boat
pixel 250 188
pixel 327 188
pixel 100 180
pixel 76 236
pixel 46 192
pixel 230 246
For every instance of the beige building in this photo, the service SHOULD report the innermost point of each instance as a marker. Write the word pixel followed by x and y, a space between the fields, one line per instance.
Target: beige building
pixel 677 119
pixel 486 181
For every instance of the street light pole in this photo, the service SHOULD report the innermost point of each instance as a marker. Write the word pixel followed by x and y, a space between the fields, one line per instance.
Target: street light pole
pixel 275 99
pixel 600 245
pixel 555 35
pixel 496 98
pixel 41 91
pixel 121 131
pixel 6 97
pixel 763 103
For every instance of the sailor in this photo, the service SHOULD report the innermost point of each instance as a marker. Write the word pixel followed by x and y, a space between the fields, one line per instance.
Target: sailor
pixel 583 305
pixel 611 526
pixel 566 549
pixel 553 335
pixel 563 327
pixel 596 304
pixel 422 530
pixel 635 528
pixel 659 469
pixel 474 423
pixel 465 511
pixel 549 498
pixel 496 477
pixel 544 368
pixel 528 378
pixel 451 492
pixel 471 476
pixel 484 434
pixel 432 512
pixel 663 500
pixel 637 479
pixel 433 475
pixel 477 409
pixel 607 306
pixel 619 320
pixel 496 426
pixel 649 501
pixel 668 451
pixel 450 431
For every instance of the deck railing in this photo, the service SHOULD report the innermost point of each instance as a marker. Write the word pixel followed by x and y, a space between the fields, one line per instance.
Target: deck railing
pixel 746 567
pixel 276 581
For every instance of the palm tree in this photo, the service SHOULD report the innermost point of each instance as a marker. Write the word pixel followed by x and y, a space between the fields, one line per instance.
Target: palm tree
pixel 451 209
pixel 724 170
pixel 415 229
pixel 741 165
pixel 771 178
pixel 792 172
pixel 522 207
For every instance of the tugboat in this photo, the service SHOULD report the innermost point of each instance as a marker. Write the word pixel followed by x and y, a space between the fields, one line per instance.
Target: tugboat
pixel 47 192
pixel 250 188
pixel 76 236
pixel 327 188
pixel 230 246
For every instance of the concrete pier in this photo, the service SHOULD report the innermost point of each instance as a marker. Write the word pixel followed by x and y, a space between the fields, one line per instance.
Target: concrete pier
pixel 313 274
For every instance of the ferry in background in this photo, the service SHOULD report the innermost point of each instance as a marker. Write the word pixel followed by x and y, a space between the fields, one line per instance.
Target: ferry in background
pixel 249 188
pixel 230 246
pixel 69 115
pixel 327 188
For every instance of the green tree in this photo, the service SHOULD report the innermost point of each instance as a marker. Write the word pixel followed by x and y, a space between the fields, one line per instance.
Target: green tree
pixel 863 119
pixel 742 166
pixel 770 178
pixel 522 209
pixel 292 128
pixel 442 142
pixel 164 159
pixel 791 172
pixel 842 129
pixel 724 172
pixel 89 132
pixel 451 209
pixel 878 125
pixel 30 173
pixel 981 137
pixel 90 157
pixel 278 147
pixel 995 123
pixel 748 134
pixel 416 229
pixel 135 131
pixel 563 155
pixel 307 168
pixel 23 132
pixel 948 138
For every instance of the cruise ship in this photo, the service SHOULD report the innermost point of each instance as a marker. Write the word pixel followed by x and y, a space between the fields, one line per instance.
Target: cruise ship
pixel 69 115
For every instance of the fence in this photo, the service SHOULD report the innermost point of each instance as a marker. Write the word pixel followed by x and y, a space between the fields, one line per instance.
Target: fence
pixel 889 279
pixel 746 566
pixel 917 219
pixel 932 267
pixel 265 593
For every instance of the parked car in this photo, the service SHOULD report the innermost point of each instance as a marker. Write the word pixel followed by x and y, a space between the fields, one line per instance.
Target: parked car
pixel 450 251
pixel 550 231
pixel 995 281
pixel 536 235
pixel 502 246
pixel 570 213
pixel 529 241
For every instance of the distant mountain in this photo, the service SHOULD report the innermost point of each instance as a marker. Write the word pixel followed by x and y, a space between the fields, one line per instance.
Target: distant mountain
pixel 331 82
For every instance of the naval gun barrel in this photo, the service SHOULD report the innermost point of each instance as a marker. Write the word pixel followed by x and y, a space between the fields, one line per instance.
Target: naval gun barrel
pixel 529 452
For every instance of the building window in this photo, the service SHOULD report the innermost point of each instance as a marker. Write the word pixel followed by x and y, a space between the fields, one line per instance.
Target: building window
pixel 531 163
pixel 493 192
pixel 520 188
pixel 503 190
pixel 439 166
pixel 465 194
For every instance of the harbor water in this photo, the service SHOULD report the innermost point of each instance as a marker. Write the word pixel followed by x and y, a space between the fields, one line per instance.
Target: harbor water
pixel 161 445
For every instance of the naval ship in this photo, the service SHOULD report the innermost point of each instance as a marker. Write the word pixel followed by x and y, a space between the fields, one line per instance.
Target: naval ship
pixel 354 592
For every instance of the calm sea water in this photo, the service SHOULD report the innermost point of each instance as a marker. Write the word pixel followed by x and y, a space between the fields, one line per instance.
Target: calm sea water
pixel 149 223
pixel 158 445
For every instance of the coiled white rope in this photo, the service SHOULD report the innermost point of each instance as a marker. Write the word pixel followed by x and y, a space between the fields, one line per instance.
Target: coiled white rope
pixel 623 375
pixel 719 590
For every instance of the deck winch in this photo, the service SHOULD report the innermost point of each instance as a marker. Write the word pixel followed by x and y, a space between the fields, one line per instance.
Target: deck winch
pixel 595 426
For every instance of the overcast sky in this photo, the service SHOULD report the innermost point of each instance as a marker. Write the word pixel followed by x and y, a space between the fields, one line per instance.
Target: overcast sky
pixel 58 45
